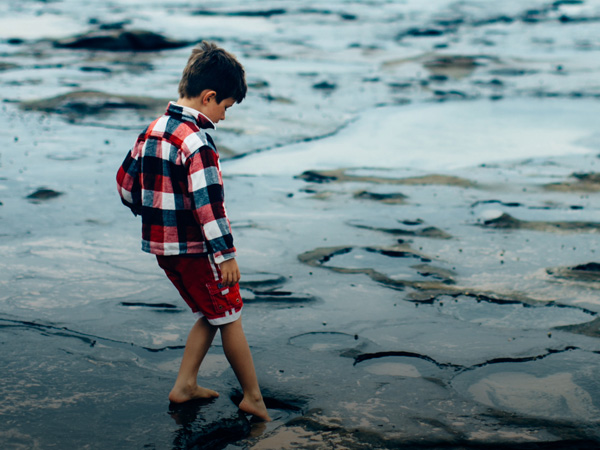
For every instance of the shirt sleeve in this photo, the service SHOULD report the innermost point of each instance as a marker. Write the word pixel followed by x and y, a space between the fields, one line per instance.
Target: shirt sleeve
pixel 128 183
pixel 205 185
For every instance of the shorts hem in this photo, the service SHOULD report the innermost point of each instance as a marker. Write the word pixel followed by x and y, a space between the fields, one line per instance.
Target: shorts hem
pixel 229 317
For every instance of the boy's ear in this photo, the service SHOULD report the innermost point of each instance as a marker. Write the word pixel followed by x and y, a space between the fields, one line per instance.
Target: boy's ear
pixel 207 95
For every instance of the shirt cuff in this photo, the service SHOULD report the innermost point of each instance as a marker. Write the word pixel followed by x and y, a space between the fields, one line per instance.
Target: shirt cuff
pixel 222 257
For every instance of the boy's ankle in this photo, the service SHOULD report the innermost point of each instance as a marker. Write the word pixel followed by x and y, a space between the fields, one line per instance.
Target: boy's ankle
pixel 254 397
pixel 185 385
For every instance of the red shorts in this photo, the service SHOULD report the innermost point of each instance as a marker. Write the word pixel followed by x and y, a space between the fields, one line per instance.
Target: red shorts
pixel 198 280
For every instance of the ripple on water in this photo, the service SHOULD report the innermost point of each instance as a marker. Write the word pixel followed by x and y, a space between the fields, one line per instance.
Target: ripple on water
pixel 326 341
pixel 515 315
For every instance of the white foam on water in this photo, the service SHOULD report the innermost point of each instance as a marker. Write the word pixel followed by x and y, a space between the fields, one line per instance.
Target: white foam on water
pixel 439 136
pixel 15 26
pixel 192 27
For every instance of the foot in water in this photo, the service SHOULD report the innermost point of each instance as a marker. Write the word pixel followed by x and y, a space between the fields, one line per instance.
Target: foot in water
pixel 185 394
pixel 256 407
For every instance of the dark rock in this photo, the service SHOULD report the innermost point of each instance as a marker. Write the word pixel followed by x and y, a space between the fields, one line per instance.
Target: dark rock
pixel 315 177
pixel 328 12
pixel 559 3
pixel 450 22
pixel 393 253
pixel 421 32
pixel 412 222
pixel 438 78
pixel 449 95
pixel 395 198
pixel 512 72
pixel 325 85
pixel 533 16
pixel 261 84
pixel 426 232
pixel 486 202
pixel 400 86
pixel 568 19
pixel 15 41
pixel 454 66
pixel 268 13
pixel 589 272
pixel 507 222
pixel 588 177
pixel 494 20
pixel 494 82
pixel 115 25
pixel 277 99
pixel 95 69
pixel 121 41
pixel 80 103
pixel 504 221
pixel 589 267
pixel 43 194
pixel 7 66
pixel 585 182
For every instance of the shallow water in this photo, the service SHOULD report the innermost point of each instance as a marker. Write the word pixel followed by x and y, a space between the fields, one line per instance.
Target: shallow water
pixel 413 192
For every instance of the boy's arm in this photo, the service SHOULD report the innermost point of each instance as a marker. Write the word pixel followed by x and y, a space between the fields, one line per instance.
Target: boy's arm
pixel 128 184
pixel 206 186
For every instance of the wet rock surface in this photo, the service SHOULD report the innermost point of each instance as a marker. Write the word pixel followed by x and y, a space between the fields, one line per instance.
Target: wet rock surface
pixel 78 104
pixel 506 221
pixel 121 41
pixel 42 194
pixel 583 182
pixel 413 192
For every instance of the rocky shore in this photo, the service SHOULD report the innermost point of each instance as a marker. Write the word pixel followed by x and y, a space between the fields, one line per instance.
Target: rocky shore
pixel 413 194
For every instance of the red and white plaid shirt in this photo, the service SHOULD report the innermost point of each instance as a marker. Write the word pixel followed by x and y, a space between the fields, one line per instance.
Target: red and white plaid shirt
pixel 172 178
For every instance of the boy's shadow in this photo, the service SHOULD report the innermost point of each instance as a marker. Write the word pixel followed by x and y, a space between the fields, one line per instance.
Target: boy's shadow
pixel 207 424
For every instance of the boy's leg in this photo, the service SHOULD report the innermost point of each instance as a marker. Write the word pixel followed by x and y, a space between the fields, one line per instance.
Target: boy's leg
pixel 238 354
pixel 198 342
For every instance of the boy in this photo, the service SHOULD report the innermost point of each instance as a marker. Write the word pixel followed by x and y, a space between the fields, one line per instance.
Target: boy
pixel 172 178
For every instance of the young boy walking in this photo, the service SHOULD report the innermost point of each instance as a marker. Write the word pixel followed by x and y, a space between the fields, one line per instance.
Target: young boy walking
pixel 172 178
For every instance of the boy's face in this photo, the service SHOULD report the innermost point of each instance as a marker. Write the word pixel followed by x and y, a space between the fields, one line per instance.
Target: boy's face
pixel 216 111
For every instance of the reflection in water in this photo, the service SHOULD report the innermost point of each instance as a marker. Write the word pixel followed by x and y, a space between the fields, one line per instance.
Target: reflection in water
pixel 199 427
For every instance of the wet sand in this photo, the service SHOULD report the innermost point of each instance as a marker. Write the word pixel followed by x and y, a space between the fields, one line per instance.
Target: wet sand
pixel 413 194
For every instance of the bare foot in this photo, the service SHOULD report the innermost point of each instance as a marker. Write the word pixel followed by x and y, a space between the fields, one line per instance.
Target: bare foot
pixel 185 394
pixel 256 407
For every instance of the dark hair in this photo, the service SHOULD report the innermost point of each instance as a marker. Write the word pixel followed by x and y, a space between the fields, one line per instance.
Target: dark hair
pixel 211 67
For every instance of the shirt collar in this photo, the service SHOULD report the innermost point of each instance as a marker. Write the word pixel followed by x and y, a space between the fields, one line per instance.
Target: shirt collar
pixel 185 112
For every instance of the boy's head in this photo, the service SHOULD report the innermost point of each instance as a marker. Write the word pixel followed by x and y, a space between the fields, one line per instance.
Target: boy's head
pixel 212 68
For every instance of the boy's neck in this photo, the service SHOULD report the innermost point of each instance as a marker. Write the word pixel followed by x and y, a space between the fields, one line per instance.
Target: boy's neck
pixel 194 103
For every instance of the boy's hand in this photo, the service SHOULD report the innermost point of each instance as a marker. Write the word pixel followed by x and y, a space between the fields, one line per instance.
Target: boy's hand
pixel 230 272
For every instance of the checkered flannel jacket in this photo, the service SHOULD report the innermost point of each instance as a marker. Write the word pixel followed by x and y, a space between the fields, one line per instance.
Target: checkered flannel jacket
pixel 172 178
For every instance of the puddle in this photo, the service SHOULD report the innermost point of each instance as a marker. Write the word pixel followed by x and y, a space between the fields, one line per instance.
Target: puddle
pixel 326 341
